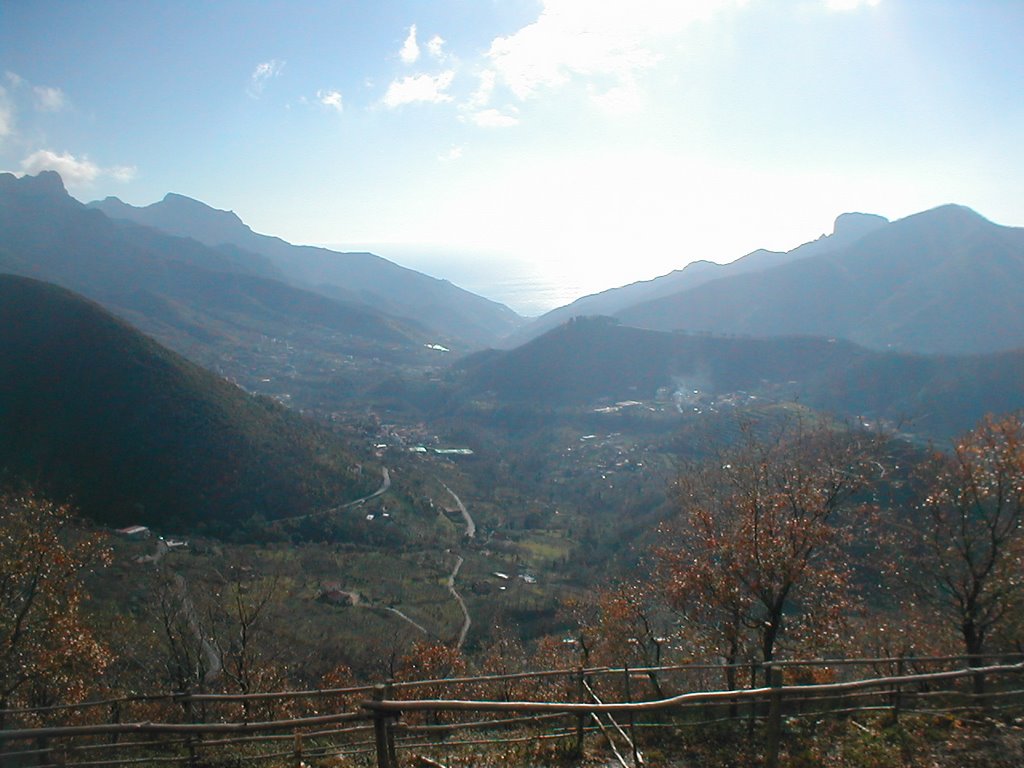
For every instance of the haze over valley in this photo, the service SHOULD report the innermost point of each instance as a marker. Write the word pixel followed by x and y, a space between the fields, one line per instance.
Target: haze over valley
pixel 919 333
pixel 166 367
pixel 664 348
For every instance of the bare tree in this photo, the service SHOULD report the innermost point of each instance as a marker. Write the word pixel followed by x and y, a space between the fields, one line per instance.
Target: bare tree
pixel 243 618
pixel 188 659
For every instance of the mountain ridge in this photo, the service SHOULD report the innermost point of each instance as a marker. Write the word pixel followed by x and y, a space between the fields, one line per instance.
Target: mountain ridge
pixel 359 277
pixel 847 228
pixel 939 281
pixel 175 288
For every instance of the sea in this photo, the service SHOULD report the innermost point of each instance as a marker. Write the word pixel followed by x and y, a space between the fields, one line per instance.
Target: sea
pixel 529 288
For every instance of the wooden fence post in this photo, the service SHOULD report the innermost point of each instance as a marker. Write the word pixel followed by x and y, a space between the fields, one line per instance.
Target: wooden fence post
pixel 752 714
pixel 896 697
pixel 774 717
pixel 389 691
pixel 581 696
pixel 298 750
pixel 632 719
pixel 381 728
pixel 115 717
pixel 980 698
pixel 45 756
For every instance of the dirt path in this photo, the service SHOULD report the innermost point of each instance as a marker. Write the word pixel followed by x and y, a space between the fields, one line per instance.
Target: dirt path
pixel 470 534
pixel 213 665
pixel 468 622
pixel 470 525
pixel 401 615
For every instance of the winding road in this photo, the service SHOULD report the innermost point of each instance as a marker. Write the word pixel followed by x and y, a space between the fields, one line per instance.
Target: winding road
pixel 384 487
pixel 213 659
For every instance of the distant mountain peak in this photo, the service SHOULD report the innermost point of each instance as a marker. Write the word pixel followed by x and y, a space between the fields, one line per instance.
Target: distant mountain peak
pixel 43 184
pixel 182 216
pixel 950 212
pixel 48 180
pixel 182 204
pixel 855 225
pixel 957 207
pixel 946 220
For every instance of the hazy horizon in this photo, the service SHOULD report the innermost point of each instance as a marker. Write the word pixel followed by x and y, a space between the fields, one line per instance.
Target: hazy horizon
pixel 565 133
pixel 529 287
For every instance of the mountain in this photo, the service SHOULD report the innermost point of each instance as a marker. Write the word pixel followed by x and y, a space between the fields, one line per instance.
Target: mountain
pixel 848 228
pixel 942 281
pixel 206 302
pixel 93 411
pixel 458 316
pixel 591 361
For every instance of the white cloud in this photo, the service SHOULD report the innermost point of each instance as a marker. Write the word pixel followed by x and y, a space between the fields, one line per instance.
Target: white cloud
pixel 410 48
pixel 482 96
pixel 74 170
pixel 49 99
pixel 264 71
pixel 436 48
pixel 415 88
pixel 586 39
pixel 331 99
pixel 849 5
pixel 493 118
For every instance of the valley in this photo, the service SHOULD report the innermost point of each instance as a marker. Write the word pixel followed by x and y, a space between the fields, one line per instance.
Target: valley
pixel 522 383
pixel 359 495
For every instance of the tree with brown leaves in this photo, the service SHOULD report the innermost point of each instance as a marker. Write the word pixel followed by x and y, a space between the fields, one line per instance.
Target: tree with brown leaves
pixel 968 537
pixel 48 653
pixel 757 554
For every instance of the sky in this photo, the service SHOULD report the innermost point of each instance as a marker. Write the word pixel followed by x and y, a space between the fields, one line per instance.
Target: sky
pixel 597 142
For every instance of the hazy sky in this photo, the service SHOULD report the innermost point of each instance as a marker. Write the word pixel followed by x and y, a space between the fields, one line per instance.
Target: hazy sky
pixel 627 138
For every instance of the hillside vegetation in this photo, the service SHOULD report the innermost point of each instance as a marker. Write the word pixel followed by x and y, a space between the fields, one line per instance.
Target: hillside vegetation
pixel 207 303
pixel 93 410
pixel 590 361
pixel 604 494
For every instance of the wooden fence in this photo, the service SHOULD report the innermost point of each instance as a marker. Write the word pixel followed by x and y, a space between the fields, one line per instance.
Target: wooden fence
pixel 387 724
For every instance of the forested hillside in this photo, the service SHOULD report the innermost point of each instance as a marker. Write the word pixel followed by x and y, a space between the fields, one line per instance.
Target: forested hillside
pixel 93 411
pixel 595 361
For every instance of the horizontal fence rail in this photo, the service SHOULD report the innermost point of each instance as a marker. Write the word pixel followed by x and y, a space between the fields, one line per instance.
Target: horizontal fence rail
pixel 615 705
